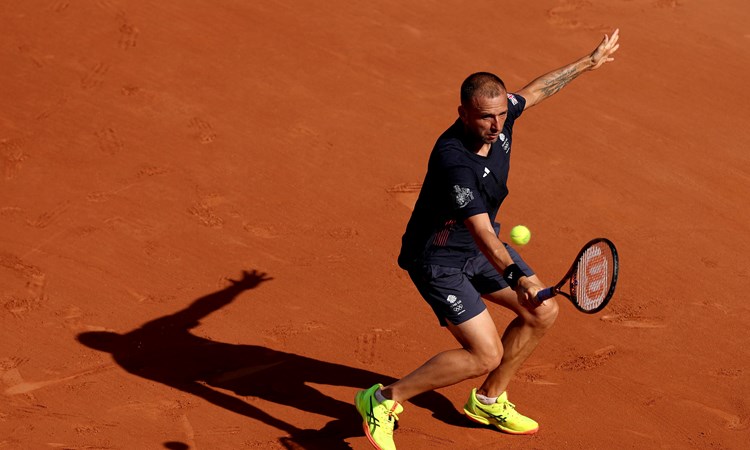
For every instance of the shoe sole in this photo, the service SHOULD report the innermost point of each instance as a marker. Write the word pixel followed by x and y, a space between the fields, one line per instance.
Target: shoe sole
pixel 483 421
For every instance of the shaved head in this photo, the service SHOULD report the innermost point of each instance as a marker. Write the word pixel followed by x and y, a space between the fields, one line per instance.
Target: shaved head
pixel 481 84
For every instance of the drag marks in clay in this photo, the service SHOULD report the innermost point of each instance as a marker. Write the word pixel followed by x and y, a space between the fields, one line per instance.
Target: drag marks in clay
pixel 366 348
pixel 11 378
pixel 728 373
pixel 19 304
pixel 94 76
pixel 143 173
pixel 630 317
pixel 53 108
pixel 109 141
pixel 204 211
pixel 128 32
pixel 574 14
pixel 202 130
pixel 160 252
pixel 591 361
pixel 337 237
pixel 130 90
pixel 9 373
pixel 16 264
pixel 25 387
pixel 60 6
pixel 567 16
pixel 107 5
pixel 731 421
pixel 262 232
pixel 282 333
pixel 131 226
pixel 405 193
pixel 37 58
pixel 150 171
pixel 671 4
pixel 189 431
pixel 536 374
pixel 734 422
pixel 46 218
pixel 541 374
pixel 12 155
pixel 369 344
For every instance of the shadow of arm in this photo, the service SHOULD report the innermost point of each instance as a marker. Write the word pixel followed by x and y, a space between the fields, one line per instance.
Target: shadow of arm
pixel 190 317
pixel 236 405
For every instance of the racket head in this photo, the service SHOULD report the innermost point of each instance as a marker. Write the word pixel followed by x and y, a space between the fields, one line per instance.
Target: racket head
pixel 594 276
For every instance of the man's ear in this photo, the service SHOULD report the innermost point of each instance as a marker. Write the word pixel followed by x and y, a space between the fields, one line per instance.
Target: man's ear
pixel 462 113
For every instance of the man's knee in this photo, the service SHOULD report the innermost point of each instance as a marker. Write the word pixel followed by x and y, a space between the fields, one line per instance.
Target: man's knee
pixel 487 361
pixel 544 315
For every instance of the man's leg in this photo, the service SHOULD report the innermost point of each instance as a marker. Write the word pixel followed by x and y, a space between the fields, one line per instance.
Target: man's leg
pixel 453 297
pixel 480 354
pixel 520 337
pixel 489 404
pixel 481 350
pixel 380 406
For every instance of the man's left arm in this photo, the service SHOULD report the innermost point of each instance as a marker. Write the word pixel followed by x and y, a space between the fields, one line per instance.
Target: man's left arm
pixel 551 83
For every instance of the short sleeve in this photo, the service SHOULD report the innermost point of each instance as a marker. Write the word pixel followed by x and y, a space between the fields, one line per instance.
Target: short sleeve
pixel 516 104
pixel 464 193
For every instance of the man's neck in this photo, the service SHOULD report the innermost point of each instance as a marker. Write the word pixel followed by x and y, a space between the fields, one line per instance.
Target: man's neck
pixel 476 146
pixel 484 150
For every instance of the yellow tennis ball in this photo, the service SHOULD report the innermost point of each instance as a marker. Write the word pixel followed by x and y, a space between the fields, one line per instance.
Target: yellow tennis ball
pixel 520 235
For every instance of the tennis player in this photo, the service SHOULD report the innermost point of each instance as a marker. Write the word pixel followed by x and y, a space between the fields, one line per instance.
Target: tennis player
pixel 452 253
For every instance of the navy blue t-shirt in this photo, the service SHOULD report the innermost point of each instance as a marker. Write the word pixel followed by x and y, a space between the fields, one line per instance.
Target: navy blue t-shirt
pixel 459 184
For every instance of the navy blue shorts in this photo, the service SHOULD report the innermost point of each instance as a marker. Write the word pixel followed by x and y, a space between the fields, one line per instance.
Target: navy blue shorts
pixel 454 294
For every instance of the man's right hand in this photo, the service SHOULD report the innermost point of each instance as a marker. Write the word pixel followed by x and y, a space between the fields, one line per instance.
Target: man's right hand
pixel 527 292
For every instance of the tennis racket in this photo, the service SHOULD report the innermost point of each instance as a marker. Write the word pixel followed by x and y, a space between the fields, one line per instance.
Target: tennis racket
pixel 591 279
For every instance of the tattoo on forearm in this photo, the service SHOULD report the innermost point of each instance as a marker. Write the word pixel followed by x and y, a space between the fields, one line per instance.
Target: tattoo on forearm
pixel 558 81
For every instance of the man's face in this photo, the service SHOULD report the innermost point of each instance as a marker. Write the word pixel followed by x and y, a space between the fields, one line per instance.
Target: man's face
pixel 484 117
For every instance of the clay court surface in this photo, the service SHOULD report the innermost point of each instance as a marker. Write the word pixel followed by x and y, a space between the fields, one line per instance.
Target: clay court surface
pixel 150 152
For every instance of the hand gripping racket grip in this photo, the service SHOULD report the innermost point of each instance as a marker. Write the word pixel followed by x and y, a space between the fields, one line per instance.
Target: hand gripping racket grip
pixel 545 294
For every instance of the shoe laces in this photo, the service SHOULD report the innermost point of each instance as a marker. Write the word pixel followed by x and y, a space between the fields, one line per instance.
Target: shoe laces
pixel 392 416
pixel 510 409
pixel 392 419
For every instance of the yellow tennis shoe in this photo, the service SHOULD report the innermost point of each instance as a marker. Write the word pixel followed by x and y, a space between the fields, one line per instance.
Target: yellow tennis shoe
pixel 502 415
pixel 379 419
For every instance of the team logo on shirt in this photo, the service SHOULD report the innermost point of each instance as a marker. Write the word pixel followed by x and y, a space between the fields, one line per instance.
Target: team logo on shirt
pixel 513 99
pixel 506 143
pixel 463 195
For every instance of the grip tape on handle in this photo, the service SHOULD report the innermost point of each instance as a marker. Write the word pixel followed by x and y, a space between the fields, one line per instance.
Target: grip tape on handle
pixel 546 293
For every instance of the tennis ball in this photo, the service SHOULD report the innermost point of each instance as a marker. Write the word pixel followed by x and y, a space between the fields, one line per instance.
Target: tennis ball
pixel 520 235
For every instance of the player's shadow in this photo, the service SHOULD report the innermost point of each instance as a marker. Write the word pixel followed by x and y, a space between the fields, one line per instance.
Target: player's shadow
pixel 165 350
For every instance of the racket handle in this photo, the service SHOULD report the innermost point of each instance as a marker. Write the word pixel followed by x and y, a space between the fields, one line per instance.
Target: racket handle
pixel 546 293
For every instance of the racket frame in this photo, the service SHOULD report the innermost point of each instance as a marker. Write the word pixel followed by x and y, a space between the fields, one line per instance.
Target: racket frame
pixel 550 292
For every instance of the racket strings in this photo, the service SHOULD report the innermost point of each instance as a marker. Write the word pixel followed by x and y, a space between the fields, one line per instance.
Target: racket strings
pixel 591 281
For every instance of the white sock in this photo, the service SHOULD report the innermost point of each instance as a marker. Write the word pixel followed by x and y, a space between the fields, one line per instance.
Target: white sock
pixel 483 399
pixel 379 396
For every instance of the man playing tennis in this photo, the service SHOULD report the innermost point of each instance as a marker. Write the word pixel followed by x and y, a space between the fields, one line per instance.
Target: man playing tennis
pixel 452 253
